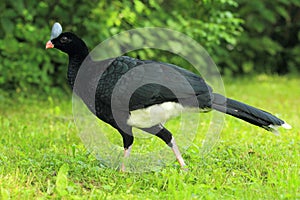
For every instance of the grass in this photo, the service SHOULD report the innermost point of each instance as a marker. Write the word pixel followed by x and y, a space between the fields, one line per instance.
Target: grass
pixel 42 157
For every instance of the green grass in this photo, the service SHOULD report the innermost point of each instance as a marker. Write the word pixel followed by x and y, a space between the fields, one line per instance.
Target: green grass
pixel 42 157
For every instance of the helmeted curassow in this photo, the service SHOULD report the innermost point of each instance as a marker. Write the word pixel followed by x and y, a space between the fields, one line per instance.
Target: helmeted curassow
pixel 147 97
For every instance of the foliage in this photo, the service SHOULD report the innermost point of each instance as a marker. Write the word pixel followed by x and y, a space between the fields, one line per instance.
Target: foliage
pixel 25 28
pixel 270 42
pixel 41 156
pixel 241 36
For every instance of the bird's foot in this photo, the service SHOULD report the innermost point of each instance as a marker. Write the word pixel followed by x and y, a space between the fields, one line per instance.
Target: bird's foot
pixel 184 168
pixel 122 168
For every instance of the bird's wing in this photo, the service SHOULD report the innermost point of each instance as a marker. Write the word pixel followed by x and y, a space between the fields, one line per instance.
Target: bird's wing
pixel 132 83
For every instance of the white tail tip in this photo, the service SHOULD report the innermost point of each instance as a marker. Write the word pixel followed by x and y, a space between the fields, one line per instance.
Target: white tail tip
pixel 274 128
pixel 286 126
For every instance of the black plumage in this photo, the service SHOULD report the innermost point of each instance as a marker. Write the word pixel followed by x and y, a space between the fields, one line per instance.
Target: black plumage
pixel 190 91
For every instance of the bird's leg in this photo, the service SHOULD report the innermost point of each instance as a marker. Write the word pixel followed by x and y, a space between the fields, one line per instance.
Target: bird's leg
pixel 126 133
pixel 167 137
pixel 177 153
pixel 126 155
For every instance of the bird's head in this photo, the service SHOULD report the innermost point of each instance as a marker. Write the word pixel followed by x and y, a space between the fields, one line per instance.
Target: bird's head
pixel 66 41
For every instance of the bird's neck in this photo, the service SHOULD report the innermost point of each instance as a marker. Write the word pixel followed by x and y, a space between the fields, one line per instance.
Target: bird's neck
pixel 75 61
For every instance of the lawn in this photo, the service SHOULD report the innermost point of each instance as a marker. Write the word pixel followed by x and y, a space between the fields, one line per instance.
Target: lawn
pixel 42 156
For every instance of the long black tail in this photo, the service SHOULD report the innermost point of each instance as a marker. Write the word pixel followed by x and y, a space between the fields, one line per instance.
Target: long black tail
pixel 247 113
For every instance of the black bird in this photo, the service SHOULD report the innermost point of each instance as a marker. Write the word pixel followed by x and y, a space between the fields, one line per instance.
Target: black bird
pixel 97 92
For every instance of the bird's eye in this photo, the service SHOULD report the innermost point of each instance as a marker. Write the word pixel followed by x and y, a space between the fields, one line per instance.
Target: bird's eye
pixel 64 40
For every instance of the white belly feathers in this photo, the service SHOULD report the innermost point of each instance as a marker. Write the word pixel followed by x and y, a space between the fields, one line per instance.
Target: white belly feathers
pixel 156 114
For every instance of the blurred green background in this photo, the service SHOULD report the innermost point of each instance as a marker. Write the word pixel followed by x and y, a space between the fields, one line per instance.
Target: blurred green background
pixel 243 37
pixel 254 43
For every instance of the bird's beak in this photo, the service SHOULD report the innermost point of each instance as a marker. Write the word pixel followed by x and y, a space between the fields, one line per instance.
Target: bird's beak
pixel 49 45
